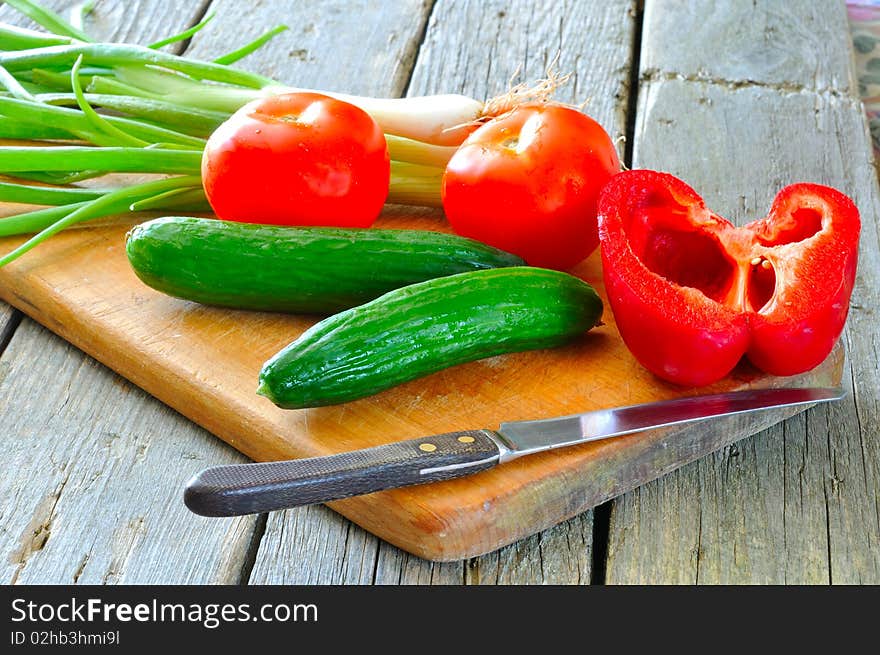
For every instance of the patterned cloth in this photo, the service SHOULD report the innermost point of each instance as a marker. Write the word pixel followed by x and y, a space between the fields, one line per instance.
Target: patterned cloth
pixel 864 22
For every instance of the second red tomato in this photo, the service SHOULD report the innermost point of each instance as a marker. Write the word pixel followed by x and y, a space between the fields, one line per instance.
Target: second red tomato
pixel 297 159
pixel 528 182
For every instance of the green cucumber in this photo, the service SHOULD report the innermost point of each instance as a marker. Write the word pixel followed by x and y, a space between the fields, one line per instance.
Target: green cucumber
pixel 294 269
pixel 425 327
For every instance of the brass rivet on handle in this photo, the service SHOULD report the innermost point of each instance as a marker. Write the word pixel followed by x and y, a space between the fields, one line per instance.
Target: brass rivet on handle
pixel 466 439
pixel 427 447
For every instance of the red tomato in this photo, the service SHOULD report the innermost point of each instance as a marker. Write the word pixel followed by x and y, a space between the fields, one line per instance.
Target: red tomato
pixel 297 159
pixel 528 183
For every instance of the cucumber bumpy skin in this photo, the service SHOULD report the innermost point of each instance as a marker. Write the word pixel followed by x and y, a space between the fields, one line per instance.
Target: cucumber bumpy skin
pixel 423 328
pixel 294 269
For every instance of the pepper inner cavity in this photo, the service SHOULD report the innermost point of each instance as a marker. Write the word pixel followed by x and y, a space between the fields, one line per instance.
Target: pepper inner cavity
pixel 698 260
pixel 664 236
pixel 799 225
pixel 691 259
pixel 761 284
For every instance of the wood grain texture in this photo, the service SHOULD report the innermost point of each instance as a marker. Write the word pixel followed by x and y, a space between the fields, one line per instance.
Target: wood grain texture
pixel 143 21
pixel 480 48
pixel 562 555
pixel 93 467
pixel 314 545
pixel 797 504
pixel 790 45
pixel 351 46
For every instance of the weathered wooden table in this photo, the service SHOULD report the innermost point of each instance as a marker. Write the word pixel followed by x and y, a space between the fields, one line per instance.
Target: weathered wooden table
pixel 738 97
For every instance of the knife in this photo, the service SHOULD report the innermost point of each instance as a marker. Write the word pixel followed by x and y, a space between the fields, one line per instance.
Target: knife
pixel 261 487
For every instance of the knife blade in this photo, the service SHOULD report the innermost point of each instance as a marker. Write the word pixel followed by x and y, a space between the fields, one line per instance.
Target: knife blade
pixel 239 489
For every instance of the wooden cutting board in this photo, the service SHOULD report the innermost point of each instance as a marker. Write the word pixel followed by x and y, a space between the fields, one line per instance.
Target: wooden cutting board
pixel 204 362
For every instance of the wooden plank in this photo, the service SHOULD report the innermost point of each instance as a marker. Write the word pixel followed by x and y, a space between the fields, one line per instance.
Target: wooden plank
pixel 311 546
pixel 94 472
pixel 562 555
pixel 314 545
pixel 792 45
pixel 350 46
pixel 94 465
pixel 142 21
pixel 796 504
pixel 559 555
pixel 480 49
pixel 525 38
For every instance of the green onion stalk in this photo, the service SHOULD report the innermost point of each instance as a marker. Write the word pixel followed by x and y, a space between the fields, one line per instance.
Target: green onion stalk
pixel 151 74
pixel 144 73
pixel 88 109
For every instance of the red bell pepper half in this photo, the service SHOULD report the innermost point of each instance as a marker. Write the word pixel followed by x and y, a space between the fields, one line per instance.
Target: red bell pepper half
pixel 692 293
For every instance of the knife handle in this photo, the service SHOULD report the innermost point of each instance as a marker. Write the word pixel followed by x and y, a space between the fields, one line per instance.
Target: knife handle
pixel 251 488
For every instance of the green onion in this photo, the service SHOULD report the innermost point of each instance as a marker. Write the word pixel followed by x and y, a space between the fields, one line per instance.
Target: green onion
pixel 14 87
pixel 441 119
pixel 115 54
pixel 193 122
pixel 20 38
pixel 111 203
pixel 412 184
pixel 33 195
pixel 79 12
pixel 48 19
pixel 74 122
pixel 56 177
pixel 39 219
pixel 183 36
pixel 257 43
pixel 416 152
pixel 164 84
pixel 189 199
pixel 119 160
pixel 115 134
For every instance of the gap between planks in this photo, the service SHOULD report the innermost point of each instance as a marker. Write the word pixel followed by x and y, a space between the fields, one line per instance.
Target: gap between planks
pixel 418 48
pixel 602 513
pixel 199 16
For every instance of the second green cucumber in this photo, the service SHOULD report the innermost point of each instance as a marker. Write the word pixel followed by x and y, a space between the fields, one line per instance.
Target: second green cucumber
pixel 416 330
